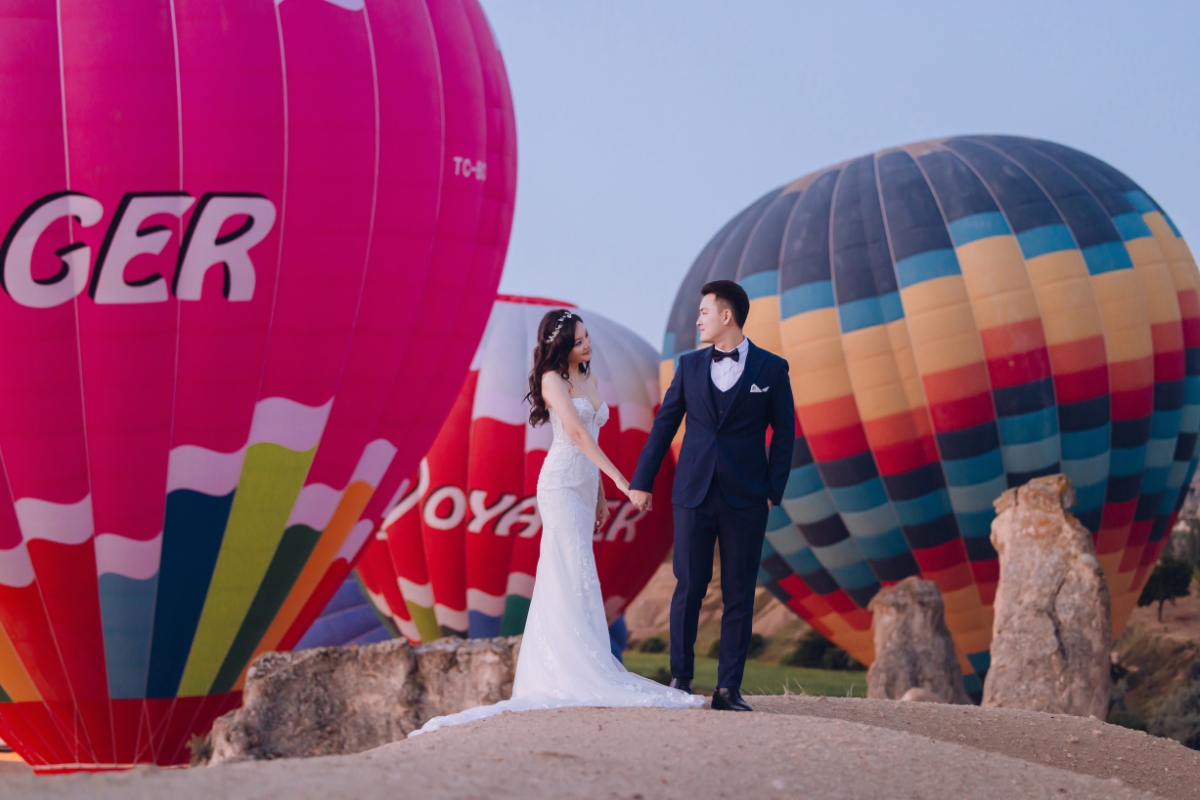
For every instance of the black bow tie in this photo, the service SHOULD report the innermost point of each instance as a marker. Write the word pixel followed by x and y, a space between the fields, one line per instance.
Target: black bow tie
pixel 719 355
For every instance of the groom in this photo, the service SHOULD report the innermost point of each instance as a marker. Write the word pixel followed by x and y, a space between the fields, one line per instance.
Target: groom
pixel 726 481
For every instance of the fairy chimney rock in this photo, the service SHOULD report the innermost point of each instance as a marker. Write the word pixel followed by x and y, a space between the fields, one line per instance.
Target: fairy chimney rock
pixel 1053 617
pixel 913 647
pixel 340 700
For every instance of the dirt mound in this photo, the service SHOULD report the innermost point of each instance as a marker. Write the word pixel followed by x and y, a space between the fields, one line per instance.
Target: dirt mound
pixel 795 747
pixel 1078 744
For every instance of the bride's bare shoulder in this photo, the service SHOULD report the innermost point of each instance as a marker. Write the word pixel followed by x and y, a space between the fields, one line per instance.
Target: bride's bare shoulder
pixel 552 379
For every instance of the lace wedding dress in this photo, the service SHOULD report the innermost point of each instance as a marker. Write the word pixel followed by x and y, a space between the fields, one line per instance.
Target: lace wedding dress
pixel 565 658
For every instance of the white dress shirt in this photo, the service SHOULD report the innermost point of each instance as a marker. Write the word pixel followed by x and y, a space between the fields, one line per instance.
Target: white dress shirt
pixel 726 372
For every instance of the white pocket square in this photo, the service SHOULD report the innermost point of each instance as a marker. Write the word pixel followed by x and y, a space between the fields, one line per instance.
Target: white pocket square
pixel 755 390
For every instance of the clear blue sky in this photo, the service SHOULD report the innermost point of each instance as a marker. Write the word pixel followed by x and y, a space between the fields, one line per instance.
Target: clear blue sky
pixel 644 126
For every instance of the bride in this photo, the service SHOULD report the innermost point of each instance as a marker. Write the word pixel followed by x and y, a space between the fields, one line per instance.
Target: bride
pixel 565 658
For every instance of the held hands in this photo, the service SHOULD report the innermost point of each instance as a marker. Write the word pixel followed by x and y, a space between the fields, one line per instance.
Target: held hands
pixel 642 501
pixel 602 512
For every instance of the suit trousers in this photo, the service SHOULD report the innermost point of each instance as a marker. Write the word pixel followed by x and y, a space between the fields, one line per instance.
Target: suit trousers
pixel 738 533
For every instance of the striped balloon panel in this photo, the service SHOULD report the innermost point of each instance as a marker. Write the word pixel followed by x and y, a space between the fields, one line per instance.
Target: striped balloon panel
pixel 463 534
pixel 1161 406
pixel 946 369
pixel 1184 274
pixel 1069 332
pixel 846 562
pixel 882 347
pixel 828 558
pixel 960 316
pixel 1153 244
pixel 374 569
pixel 794 574
pixel 1075 221
pixel 1112 190
pixel 795 593
pixel 1016 377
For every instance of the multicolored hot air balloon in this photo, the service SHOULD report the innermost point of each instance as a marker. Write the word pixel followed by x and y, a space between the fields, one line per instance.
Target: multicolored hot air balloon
pixel 961 315
pixel 465 534
pixel 250 250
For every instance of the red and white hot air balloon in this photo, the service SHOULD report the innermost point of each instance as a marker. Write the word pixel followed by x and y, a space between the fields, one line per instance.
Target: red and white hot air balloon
pixel 465 533
pixel 250 250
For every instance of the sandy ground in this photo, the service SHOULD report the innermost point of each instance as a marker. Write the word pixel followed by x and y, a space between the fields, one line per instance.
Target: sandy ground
pixel 1081 745
pixel 11 764
pixel 794 747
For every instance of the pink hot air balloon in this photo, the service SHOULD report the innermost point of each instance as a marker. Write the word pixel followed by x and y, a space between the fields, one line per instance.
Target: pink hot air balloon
pixel 250 250
pixel 465 532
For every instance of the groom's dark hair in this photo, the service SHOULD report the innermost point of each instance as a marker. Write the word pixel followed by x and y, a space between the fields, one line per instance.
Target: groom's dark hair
pixel 733 296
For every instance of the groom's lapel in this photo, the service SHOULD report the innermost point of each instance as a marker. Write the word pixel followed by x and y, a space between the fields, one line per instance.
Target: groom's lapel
pixel 753 363
pixel 703 379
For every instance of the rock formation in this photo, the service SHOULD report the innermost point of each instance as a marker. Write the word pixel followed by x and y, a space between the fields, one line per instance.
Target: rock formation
pixel 339 700
pixel 1053 615
pixel 457 674
pixel 913 648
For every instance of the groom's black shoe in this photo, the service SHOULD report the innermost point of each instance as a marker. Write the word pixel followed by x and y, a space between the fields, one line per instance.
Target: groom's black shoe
pixel 729 699
pixel 682 684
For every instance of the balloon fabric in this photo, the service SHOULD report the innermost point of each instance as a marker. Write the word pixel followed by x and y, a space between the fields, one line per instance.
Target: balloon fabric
pixel 250 250
pixel 961 315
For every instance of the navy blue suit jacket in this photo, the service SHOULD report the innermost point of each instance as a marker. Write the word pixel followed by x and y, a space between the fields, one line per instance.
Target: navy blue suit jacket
pixel 734 448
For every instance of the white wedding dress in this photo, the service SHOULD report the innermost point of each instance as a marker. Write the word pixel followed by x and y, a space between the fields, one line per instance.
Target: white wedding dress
pixel 565 658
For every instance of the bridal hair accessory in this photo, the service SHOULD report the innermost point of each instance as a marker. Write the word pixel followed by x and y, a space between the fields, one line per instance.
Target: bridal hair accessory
pixel 565 316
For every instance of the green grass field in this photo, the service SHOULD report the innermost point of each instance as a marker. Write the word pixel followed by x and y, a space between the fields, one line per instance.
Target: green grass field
pixel 760 677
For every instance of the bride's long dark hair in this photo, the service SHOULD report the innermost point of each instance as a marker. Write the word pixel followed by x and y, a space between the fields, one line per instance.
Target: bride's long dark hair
pixel 556 340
